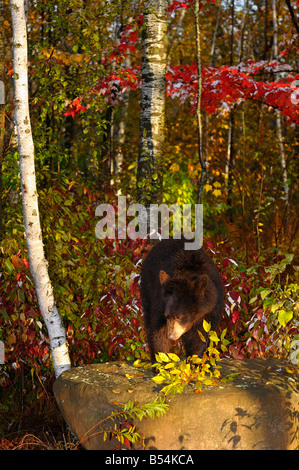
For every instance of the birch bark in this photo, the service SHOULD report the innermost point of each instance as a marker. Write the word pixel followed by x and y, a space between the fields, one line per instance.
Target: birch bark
pixel 37 260
pixel 152 114
pixel 2 104
pixel 202 160
pixel 278 113
pixel 230 157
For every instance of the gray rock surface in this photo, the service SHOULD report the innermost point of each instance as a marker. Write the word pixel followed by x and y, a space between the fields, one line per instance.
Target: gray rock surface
pixel 258 410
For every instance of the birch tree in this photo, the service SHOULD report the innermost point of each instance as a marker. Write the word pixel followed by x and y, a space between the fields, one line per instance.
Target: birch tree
pixel 2 103
pixel 202 160
pixel 37 260
pixel 278 113
pixel 230 156
pixel 152 114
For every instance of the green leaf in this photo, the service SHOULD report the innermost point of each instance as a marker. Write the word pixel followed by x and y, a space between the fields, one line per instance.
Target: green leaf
pixel 22 295
pixel 289 257
pixel 268 302
pixel 9 266
pixel 251 270
pixel 265 292
pixel 223 334
pixel 230 377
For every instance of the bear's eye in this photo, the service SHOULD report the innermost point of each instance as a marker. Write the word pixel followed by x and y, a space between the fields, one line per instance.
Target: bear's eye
pixel 178 316
pixel 194 277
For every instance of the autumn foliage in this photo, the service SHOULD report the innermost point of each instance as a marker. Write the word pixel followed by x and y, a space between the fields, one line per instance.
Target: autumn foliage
pixel 85 81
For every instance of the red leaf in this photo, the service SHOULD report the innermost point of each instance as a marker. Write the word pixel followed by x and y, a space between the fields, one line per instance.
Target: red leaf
pixel 17 262
pixel 70 112
pixel 26 262
pixel 235 296
pixel 235 316
pixel 127 443
pixel 211 246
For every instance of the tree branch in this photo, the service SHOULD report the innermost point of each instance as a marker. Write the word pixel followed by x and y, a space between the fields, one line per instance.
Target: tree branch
pixel 292 15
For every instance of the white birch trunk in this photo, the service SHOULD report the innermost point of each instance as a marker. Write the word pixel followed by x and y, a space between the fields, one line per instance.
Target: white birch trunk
pixel 38 263
pixel 152 116
pixel 2 104
pixel 211 63
pixel 278 113
pixel 203 175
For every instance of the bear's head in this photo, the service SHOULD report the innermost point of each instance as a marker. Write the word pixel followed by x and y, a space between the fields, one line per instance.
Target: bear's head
pixel 188 297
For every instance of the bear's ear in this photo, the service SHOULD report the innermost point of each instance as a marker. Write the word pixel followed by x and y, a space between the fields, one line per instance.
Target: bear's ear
pixel 202 284
pixel 163 276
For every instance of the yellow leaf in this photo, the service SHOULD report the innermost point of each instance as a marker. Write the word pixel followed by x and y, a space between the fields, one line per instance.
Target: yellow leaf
pixel 208 382
pixel 174 168
pixel 208 187
pixel 77 58
pixel 214 337
pixel 217 192
pixel 137 363
pixel 169 365
pixel 216 184
pixel 201 336
pixel 72 184
pixel 175 371
pixel 206 325
pixel 158 379
pixel 173 357
pixel 162 357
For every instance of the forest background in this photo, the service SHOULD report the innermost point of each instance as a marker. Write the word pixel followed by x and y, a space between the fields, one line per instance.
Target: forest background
pixel 85 82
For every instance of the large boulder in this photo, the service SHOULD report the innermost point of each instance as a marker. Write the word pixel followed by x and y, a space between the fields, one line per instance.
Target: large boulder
pixel 258 410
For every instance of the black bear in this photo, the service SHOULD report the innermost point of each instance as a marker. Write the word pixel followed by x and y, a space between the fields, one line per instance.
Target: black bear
pixel 179 288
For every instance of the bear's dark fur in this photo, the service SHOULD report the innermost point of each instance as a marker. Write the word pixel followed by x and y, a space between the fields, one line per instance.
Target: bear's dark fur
pixel 178 289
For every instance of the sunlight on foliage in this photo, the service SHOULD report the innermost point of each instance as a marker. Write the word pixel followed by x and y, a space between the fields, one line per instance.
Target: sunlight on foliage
pixel 277 315
pixel 122 430
pixel 176 373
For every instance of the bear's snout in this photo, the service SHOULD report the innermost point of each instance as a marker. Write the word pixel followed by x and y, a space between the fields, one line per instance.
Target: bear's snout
pixel 174 329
